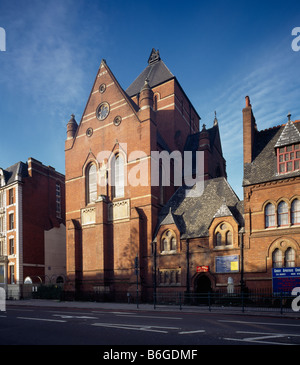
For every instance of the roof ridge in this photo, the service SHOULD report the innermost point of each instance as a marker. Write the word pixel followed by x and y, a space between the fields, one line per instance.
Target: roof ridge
pixel 279 126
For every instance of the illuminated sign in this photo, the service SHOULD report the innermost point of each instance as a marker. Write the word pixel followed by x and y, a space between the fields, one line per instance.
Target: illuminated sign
pixel 202 268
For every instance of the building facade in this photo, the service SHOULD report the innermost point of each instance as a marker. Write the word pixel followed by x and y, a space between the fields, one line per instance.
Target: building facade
pixel 126 223
pixel 110 224
pixel 271 198
pixel 32 227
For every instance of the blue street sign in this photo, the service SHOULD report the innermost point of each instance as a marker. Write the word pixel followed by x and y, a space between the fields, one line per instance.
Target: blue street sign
pixel 285 279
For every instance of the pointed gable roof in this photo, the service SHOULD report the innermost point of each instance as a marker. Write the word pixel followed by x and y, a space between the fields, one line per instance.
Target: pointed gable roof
pixel 156 73
pixel 170 219
pixel 104 68
pixel 223 211
pixel 288 136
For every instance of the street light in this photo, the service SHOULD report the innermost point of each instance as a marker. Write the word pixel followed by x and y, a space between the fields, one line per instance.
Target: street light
pixel 136 266
pixel 154 273
pixel 242 259
pixel 187 266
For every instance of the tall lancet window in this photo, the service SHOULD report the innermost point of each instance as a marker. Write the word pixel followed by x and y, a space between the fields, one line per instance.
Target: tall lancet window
pixel 91 183
pixel 117 168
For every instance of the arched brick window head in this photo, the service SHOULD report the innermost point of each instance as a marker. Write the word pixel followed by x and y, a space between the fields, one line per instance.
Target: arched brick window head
pixel 223 235
pixel 91 183
pixel 118 176
pixel 168 242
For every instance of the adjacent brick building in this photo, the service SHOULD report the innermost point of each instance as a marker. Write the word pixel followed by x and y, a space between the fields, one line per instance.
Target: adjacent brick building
pixel 271 198
pixel 32 226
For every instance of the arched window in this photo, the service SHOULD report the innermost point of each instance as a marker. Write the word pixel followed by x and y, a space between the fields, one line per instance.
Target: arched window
pixel 270 215
pixel 91 184
pixel 223 235
pixel 118 176
pixel 295 211
pixel 173 244
pixel 59 280
pixel 283 214
pixel 277 258
pixel 229 238
pixel 218 239
pixel 168 242
pixel 165 245
pixel 289 257
pixel 28 280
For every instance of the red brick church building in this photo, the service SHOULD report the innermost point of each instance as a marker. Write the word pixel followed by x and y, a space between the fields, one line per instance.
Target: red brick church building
pixel 117 210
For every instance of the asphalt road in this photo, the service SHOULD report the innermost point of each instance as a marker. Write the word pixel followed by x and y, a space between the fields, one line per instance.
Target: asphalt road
pixel 67 326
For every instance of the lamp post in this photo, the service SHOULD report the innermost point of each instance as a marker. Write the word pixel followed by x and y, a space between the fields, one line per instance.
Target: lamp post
pixel 242 260
pixel 136 266
pixel 154 273
pixel 188 266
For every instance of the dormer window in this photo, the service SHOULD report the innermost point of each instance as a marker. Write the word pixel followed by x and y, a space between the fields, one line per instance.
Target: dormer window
pixel 288 158
pixel 288 148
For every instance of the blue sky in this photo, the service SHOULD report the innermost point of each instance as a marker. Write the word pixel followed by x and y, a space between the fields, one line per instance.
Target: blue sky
pixel 220 51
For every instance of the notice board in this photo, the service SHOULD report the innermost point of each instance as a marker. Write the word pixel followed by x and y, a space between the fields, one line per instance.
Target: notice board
pixel 229 263
pixel 285 279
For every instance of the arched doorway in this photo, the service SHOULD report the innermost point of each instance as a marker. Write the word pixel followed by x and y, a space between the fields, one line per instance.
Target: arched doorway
pixel 202 284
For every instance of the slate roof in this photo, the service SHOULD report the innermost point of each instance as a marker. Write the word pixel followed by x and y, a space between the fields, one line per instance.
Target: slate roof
pixel 156 73
pixel 223 211
pixel 263 168
pixel 193 215
pixel 15 172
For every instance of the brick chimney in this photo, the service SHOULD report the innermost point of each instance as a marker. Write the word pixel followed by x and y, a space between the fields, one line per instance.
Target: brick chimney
pixel 249 127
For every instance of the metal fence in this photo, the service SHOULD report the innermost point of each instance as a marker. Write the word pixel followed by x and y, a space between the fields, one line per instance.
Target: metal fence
pixel 242 301
pixel 262 300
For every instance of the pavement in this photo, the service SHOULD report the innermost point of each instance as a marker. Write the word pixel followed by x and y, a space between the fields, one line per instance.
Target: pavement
pixel 273 312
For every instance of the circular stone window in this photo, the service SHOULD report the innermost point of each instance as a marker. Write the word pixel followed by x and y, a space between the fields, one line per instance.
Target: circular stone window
pixel 117 120
pixel 89 132
pixel 102 88
pixel 102 111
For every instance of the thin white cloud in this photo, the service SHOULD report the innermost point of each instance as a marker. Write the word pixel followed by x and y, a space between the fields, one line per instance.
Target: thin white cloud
pixel 273 86
pixel 46 63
